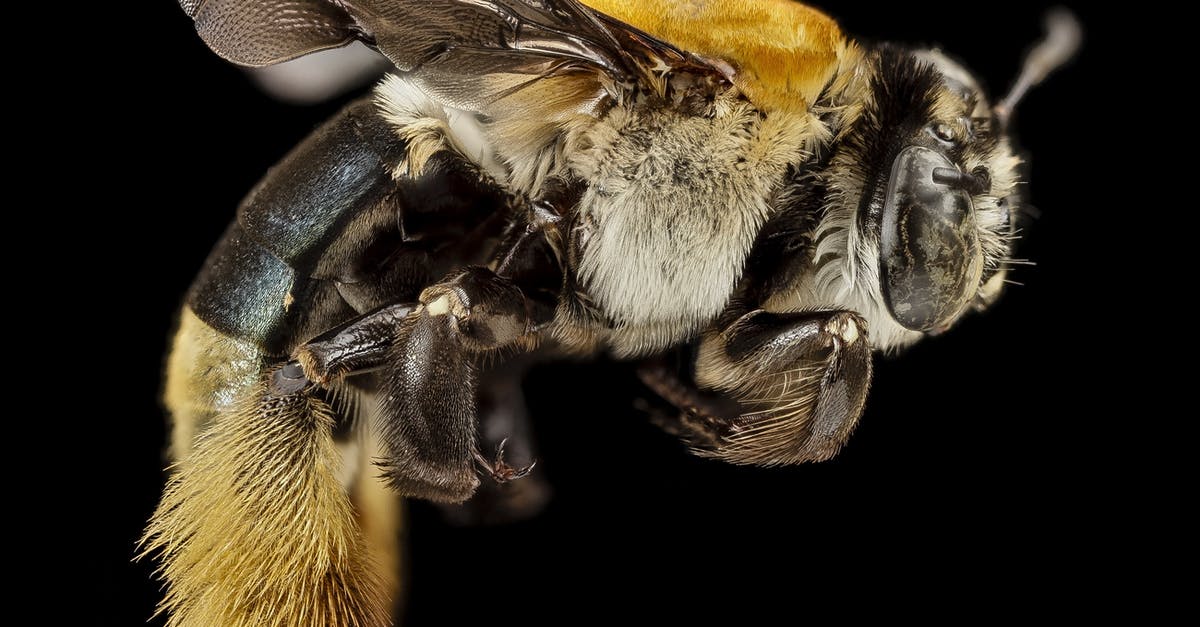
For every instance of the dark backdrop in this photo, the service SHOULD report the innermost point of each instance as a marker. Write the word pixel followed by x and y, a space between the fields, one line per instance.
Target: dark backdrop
pixel 975 456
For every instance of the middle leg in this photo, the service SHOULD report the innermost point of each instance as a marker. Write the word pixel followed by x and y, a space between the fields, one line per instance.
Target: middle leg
pixel 429 352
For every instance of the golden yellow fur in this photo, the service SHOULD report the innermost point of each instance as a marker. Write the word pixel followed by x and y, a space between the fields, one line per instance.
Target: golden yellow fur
pixel 265 519
pixel 783 52
pixel 381 517
pixel 256 529
pixel 206 373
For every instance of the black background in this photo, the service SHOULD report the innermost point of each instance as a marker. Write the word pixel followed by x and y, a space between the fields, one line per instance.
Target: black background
pixel 976 455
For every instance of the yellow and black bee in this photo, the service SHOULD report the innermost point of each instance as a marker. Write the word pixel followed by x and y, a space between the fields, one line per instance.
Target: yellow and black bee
pixel 733 194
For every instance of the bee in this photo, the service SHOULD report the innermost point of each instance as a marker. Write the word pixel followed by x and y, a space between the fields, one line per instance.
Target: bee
pixel 735 197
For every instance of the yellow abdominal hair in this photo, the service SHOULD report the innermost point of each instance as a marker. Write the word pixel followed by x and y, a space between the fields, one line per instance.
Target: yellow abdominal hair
pixel 255 528
pixel 783 52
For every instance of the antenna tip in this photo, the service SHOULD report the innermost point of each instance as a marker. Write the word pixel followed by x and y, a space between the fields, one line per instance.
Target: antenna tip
pixel 1064 34
pixel 1065 31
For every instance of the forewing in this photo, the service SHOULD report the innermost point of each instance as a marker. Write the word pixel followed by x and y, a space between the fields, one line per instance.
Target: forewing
pixel 265 32
pixel 448 46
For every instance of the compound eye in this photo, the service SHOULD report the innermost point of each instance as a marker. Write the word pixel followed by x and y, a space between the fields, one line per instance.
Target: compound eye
pixel 929 250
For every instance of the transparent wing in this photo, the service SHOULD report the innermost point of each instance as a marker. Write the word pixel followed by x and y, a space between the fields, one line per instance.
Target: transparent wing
pixel 448 46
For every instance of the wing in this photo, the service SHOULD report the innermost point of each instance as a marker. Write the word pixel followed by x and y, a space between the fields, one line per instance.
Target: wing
pixel 466 53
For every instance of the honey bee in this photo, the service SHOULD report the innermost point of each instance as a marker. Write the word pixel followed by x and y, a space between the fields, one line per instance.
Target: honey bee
pixel 734 195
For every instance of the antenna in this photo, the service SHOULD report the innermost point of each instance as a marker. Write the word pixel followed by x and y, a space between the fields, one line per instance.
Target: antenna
pixel 1063 36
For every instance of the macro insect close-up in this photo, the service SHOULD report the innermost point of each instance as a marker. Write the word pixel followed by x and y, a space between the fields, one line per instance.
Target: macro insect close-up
pixel 737 207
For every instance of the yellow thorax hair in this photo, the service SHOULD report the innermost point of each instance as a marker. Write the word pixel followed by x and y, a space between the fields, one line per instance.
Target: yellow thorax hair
pixel 783 52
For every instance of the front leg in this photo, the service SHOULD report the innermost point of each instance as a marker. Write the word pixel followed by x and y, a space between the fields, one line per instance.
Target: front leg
pixel 799 381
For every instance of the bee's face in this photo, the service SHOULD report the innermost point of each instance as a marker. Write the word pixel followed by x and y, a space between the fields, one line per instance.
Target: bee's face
pixel 985 184
pixel 923 187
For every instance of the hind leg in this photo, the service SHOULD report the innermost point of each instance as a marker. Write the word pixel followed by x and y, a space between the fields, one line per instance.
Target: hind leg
pixel 206 373
pixel 257 463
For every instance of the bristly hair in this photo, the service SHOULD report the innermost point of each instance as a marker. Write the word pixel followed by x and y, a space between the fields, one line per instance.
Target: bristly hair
pixel 778 419
pixel 255 528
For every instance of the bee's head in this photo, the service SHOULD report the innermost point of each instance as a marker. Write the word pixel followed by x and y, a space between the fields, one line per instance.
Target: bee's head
pixel 940 204
pixel 923 183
